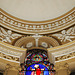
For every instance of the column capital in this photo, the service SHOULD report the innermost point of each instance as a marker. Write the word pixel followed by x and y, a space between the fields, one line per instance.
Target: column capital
pixel 63 67
pixel 11 67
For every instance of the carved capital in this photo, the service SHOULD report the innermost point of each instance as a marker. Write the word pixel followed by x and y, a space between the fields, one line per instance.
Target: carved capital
pixel 10 67
pixel 63 67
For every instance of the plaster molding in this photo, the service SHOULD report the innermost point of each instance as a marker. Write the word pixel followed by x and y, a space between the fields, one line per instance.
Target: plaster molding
pixel 65 57
pixel 31 27
pixel 63 52
pixel 63 37
pixel 32 42
pixel 66 35
pixel 7 36
pixel 11 53
pixel 63 67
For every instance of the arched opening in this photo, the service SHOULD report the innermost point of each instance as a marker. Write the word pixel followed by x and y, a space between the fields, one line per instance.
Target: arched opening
pixel 37 63
pixel 72 73
pixel 1 73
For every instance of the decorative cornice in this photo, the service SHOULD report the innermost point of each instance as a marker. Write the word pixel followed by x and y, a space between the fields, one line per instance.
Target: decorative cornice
pixel 11 53
pixel 8 57
pixel 30 27
pixel 66 35
pixel 68 56
pixel 62 53
pixel 62 37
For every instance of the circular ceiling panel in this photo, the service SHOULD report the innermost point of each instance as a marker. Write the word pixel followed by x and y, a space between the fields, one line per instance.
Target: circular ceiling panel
pixel 37 10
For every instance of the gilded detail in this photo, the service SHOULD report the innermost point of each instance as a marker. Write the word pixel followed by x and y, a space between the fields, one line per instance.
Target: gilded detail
pixel 3 55
pixel 65 56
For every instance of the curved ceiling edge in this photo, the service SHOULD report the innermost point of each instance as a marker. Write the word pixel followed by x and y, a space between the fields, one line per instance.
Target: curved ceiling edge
pixel 62 53
pixel 41 27
pixel 11 54
pixel 26 21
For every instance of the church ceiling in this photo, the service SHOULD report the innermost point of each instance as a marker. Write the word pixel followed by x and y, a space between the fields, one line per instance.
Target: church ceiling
pixel 40 27
pixel 47 41
pixel 56 36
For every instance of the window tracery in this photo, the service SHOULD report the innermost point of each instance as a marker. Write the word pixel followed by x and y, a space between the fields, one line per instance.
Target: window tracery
pixel 37 61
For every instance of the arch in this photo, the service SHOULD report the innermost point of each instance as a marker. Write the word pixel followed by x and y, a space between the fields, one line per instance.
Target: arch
pixel 48 41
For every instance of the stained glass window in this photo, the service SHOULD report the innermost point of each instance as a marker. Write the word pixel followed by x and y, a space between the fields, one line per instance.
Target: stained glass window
pixel 37 63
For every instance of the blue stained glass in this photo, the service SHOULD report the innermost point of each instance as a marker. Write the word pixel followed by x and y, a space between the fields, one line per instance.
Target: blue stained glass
pixel 44 55
pixel 29 55
pixel 37 57
pixel 46 72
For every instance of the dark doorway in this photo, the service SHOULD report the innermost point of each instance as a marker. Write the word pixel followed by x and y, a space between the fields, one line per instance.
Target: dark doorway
pixel 1 73
pixel 73 73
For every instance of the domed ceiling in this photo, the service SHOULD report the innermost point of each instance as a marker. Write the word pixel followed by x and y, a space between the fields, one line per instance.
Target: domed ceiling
pixel 37 10
pixel 41 30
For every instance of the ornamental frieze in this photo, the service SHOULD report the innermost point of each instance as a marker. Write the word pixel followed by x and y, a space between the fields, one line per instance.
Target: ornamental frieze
pixel 44 27
pixel 13 38
pixel 8 57
pixel 5 50
pixel 65 56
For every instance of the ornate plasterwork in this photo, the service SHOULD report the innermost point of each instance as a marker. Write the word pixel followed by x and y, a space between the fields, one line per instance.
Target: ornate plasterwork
pixel 61 37
pixel 30 44
pixel 64 55
pixel 44 44
pixel 44 27
pixel 4 50
pixel 70 55
pixel 7 36
pixel 36 41
pixel 64 67
pixel 9 55
pixel 66 35
pixel 64 52
pixel 3 55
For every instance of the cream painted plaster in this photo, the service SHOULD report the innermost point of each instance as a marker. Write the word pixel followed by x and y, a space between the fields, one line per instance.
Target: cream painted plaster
pixel 37 10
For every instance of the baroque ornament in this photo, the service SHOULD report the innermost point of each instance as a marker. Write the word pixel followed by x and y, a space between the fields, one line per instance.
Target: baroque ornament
pixel 7 36
pixel 30 44
pixel 7 51
pixel 44 44
pixel 70 55
pixel 3 55
pixel 49 26
pixel 66 35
